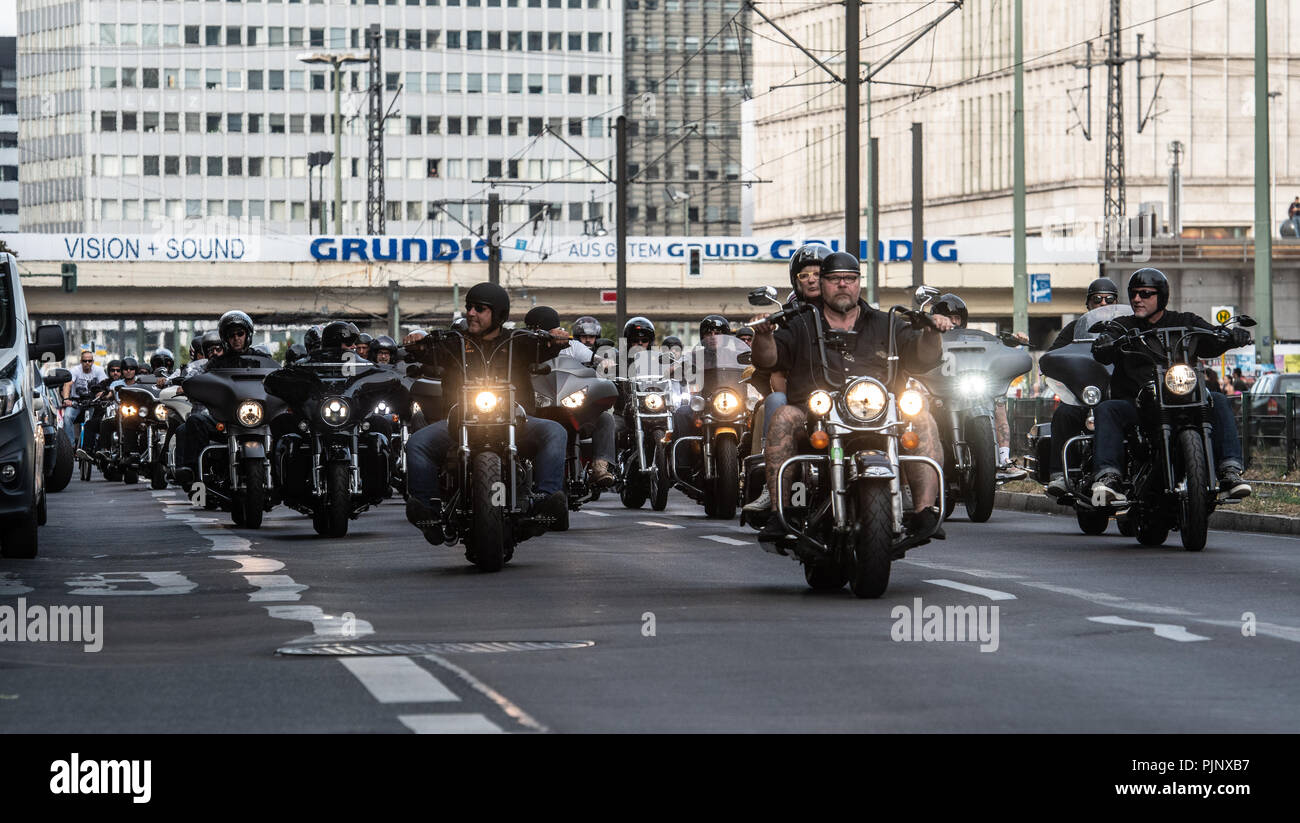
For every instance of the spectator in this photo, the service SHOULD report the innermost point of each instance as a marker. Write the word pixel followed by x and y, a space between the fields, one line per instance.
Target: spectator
pixel 1293 209
pixel 1239 383
pixel 87 375
pixel 1212 381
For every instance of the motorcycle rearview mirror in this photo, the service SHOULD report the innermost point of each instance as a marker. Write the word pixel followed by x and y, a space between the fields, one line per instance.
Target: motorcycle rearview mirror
pixel 763 295
pixel 1245 320
pixel 744 358
pixel 925 294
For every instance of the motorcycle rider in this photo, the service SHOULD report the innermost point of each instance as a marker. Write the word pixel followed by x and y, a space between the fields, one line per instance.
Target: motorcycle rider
pixel 1068 419
pixel 793 350
pixel 384 349
pixel 83 380
pixel 311 338
pixel 1148 293
pixel 586 330
pixel 745 334
pixel 955 309
pixel 710 327
pixel 487 308
pixel 363 344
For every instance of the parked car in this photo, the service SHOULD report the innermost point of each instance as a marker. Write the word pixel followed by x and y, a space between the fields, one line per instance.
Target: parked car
pixel 22 438
pixel 1267 398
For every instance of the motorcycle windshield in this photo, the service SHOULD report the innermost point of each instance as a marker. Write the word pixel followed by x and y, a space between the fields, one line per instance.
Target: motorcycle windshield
pixel 968 352
pixel 222 390
pixel 1083 327
pixel 718 363
pixel 567 375
pixel 649 369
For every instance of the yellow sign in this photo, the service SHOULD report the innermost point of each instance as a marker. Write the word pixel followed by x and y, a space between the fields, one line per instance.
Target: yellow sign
pixel 1222 316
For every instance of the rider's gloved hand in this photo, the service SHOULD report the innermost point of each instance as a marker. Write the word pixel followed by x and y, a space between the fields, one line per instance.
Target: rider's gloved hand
pixel 1238 337
pixel 1103 348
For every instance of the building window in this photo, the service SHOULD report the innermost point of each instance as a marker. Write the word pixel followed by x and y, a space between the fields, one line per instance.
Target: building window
pixel 494 41
pixel 554 41
pixel 575 41
pixel 149 78
pixel 254 124
pixel 150 165
pixel 494 125
pixel 594 41
pixel 275 79
pixel 575 126
pixel 277 124
pixel 212 35
pixel 575 84
pixel 108 121
pixel 296 124
pixel 318 124
pixel 534 84
pixel 453 125
pixel 193 164
pixel 453 39
pixel 316 37
pixel 433 124
pixel 514 41
pixel 128 78
pixel 234 122
pixel 255 80
pixel 413 39
pixel 214 167
pixel 514 83
pixel 318 81
pixel 534 126
pixel 172 165
pixel 534 41
pixel 150 122
pixel 214 124
pixel 254 167
pixel 474 83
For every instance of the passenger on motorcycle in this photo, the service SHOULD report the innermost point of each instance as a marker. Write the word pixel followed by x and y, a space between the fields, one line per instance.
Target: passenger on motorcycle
pixel 745 334
pixel 1068 419
pixel 363 345
pixel 793 350
pixel 1148 293
pixel 955 309
pixel 487 307
pixel 384 349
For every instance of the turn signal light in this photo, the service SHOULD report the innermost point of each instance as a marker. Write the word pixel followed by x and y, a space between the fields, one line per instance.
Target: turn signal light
pixel 820 439
pixel 221 427
pixel 910 440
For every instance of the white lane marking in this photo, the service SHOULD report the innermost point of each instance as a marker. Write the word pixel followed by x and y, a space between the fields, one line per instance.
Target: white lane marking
pixel 1271 629
pixel 449 724
pixel 1111 600
pixel 943 567
pixel 593 513
pixel 254 565
pixel 327 627
pixel 1166 630
pixel 398 680
pixel 991 594
pixel 11 585
pixel 221 538
pixel 273 587
pixel 660 525
pixel 730 541
pixel 514 712
pixel 107 583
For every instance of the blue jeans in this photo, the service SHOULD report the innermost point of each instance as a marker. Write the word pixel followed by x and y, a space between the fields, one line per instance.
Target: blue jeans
pixel 427 448
pixel 1114 416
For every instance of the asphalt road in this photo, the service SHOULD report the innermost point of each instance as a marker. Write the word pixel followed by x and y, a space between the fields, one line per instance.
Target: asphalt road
pixel 653 622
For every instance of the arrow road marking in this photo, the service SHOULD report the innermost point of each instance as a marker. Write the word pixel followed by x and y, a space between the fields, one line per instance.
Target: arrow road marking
pixel 991 594
pixel 1166 630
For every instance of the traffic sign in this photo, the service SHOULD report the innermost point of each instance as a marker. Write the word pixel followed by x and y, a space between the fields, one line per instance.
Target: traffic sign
pixel 608 296
pixel 1222 314
pixel 1040 288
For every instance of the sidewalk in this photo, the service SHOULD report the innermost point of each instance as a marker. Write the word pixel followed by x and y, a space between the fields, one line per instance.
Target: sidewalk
pixel 1223 519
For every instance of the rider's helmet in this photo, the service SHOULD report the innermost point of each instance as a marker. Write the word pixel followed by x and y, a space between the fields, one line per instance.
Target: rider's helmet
pixel 586 326
pixel 339 334
pixel 542 318
pixel 264 350
pixel 211 341
pixel 294 353
pixel 364 339
pixel 673 342
pixel 746 334
pixel 383 343
pixel 806 255
pixel 231 322
pixel 639 330
pixel 1149 278
pixel 840 261
pixel 113 365
pixel 196 347
pixel 714 324
pixel 130 364
pixel 495 298
pixel 950 304
pixel 162 359
pixel 1101 286
pixel 311 338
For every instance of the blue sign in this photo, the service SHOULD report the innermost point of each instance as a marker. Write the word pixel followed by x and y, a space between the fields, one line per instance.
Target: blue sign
pixel 1040 288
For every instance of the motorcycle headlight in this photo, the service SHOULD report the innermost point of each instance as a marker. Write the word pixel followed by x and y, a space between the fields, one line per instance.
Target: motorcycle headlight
pixel 415 408
pixel 127 411
pixel 819 402
pixel 973 385
pixel 726 402
pixel 865 400
pixel 249 413
pixel 382 409
pixel 654 402
pixel 486 401
pixel 574 400
pixel 335 411
pixel 142 411
pixel 160 411
pixel 697 403
pixel 1180 379
pixel 1091 395
pixel 911 402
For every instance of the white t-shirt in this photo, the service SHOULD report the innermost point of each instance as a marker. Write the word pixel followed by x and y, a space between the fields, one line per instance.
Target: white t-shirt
pixel 83 380
pixel 579 351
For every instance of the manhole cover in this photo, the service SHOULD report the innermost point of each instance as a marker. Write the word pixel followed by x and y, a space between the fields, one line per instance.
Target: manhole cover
pixel 351 649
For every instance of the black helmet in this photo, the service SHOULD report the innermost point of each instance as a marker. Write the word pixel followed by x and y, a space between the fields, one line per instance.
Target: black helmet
pixel 383 343
pixel 1102 285
pixel 211 340
pixel 544 318
pixel 673 340
pixel 950 304
pixel 586 325
pixel 806 255
pixel 294 353
pixel 233 321
pixel 714 323
pixel 264 350
pixel 196 347
pixel 130 363
pixel 113 364
pixel 1151 279
pixel 840 261
pixel 162 359
pixel 494 297
pixel 639 330
pixel 311 338
pixel 337 334
pixel 364 338
pixel 745 331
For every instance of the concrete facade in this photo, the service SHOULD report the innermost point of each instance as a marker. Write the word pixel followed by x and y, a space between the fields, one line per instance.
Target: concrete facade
pixel 8 134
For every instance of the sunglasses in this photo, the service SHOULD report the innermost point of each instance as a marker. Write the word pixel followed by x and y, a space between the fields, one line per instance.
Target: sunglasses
pixel 807 275
pixel 114 371
pixel 840 279
pixel 1145 294
pixel 1102 299
pixel 87 361
pixel 477 307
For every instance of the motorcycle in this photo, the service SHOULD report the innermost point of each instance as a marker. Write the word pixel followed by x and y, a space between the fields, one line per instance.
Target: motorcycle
pixel 719 409
pixel 486 485
pixel 235 476
pixel 977 367
pixel 571 394
pixel 178 408
pixel 644 471
pixel 137 440
pixel 58 447
pixel 332 457
pixel 852 527
pixel 92 405
pixel 1075 376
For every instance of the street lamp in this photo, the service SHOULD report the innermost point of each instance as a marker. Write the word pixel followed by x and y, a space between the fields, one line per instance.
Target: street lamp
pixel 318 159
pixel 336 59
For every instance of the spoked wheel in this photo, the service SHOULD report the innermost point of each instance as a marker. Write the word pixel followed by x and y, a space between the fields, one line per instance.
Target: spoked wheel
pixel 983 478
pixel 487 538
pixel 726 484
pixel 871 554
pixel 1196 506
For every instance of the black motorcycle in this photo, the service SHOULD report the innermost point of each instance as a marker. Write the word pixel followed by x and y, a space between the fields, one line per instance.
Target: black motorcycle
pixel 135 441
pixel 643 459
pixel 332 455
pixel 708 470
pixel 573 395
pixel 977 367
pixel 235 475
pixel 58 447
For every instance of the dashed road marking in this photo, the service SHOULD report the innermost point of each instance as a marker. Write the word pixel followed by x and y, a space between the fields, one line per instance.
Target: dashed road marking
pixel 730 541
pixel 1166 630
pixel 991 594
pixel 1111 600
pixel 327 627
pixel 511 710
pixel 593 513
pixel 1271 629
pixel 398 680
pixel 10 585
pixel 111 583
pixel 943 567
pixel 254 565
pixel 449 724
pixel 660 525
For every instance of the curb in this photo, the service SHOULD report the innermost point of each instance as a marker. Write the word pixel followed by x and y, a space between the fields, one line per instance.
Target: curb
pixel 1221 520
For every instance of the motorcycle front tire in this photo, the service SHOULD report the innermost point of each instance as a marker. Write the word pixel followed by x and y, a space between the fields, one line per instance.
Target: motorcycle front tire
pixel 982 479
pixel 487 537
